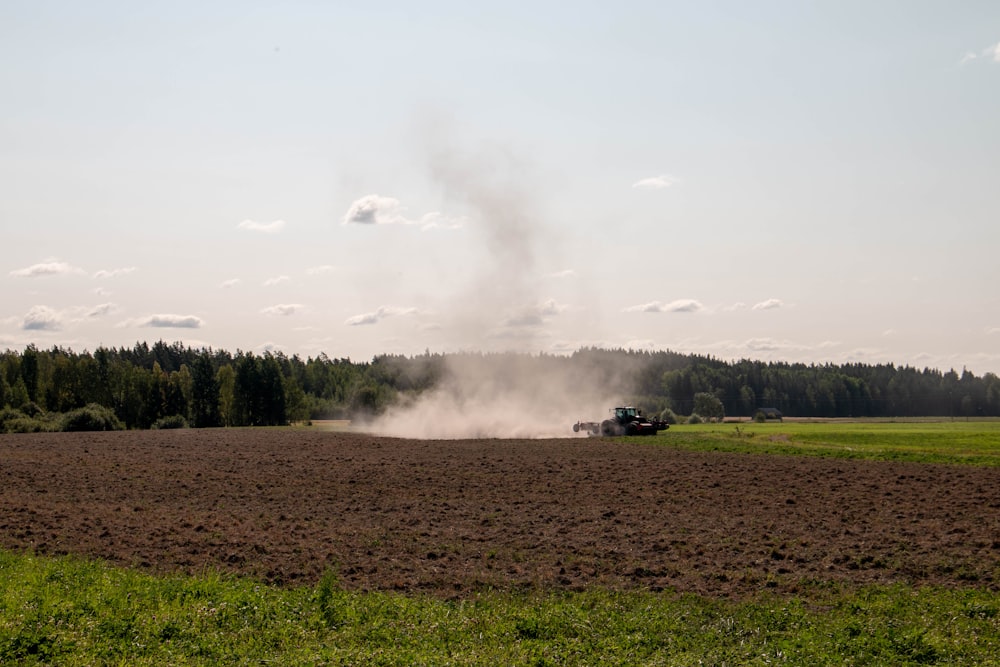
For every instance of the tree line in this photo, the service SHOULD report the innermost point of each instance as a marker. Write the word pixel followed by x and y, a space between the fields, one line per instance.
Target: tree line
pixel 149 385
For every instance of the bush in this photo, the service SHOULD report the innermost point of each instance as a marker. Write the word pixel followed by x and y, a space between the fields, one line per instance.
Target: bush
pixel 760 417
pixel 15 421
pixel 31 409
pixel 92 417
pixel 173 421
pixel 668 416
pixel 695 418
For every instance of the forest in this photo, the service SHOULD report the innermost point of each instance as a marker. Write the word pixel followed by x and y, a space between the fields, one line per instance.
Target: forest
pixel 171 385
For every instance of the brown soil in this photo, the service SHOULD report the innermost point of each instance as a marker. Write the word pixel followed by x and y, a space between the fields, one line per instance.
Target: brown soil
pixel 452 517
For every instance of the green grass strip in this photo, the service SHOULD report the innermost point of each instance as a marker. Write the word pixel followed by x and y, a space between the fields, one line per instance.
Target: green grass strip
pixel 959 442
pixel 72 612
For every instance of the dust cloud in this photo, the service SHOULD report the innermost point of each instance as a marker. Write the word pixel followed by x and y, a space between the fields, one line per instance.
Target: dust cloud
pixel 504 389
pixel 505 396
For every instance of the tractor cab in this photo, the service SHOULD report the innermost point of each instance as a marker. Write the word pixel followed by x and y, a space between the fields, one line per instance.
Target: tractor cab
pixel 624 415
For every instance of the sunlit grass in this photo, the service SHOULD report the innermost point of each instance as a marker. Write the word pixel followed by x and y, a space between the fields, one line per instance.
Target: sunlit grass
pixel 964 442
pixel 73 612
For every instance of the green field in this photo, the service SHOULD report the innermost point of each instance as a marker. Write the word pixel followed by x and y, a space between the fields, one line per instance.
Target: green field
pixel 963 442
pixel 72 612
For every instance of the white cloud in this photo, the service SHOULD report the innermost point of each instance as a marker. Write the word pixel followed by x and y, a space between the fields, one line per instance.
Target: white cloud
pixel 678 306
pixel 379 210
pixel 320 270
pixel 282 309
pixel 993 330
pixel 374 210
pixel 435 220
pixel 534 316
pixel 228 284
pixel 266 228
pixel 739 305
pixel 378 315
pixel 990 52
pixel 42 318
pixel 769 304
pixel 170 321
pixel 889 332
pixel 102 310
pixel 47 268
pixel 655 182
pixel 113 273
pixel 565 273
pixel 765 345
pixel 277 280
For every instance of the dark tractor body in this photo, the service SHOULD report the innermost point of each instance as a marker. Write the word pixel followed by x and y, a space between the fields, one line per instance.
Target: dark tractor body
pixel 625 421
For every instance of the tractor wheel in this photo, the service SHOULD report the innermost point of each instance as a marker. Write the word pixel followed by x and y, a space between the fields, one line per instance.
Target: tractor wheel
pixel 608 427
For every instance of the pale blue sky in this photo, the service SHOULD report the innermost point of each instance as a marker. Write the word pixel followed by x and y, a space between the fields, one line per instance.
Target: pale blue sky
pixel 783 180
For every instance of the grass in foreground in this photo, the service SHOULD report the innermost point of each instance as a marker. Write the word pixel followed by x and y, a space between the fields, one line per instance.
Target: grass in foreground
pixel 969 443
pixel 72 612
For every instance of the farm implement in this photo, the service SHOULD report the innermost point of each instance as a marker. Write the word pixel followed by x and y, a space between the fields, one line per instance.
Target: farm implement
pixel 625 421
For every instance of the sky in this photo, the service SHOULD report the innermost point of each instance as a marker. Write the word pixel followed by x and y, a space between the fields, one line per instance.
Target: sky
pixel 790 181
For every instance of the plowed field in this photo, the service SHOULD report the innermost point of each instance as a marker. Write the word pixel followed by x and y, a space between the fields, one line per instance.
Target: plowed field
pixel 451 517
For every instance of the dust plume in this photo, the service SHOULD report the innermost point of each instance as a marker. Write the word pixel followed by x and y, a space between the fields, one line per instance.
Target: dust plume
pixel 506 396
pixel 503 389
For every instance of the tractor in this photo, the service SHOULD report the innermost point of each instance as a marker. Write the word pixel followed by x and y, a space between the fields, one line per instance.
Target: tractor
pixel 626 421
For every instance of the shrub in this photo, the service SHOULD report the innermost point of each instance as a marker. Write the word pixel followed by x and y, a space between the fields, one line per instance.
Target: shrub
pixel 31 409
pixel 695 418
pixel 173 421
pixel 760 417
pixel 92 417
pixel 668 416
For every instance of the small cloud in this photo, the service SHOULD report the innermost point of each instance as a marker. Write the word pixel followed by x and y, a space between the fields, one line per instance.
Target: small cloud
pixel 171 322
pixel 320 270
pixel 374 210
pixel 102 310
pixel 655 182
pixel 770 304
pixel 378 315
pixel 282 309
pixel 379 210
pixel 739 305
pixel 889 332
pixel 678 306
pixel 534 316
pixel 993 330
pixel 764 345
pixel 100 291
pixel 42 318
pixel 435 220
pixel 565 273
pixel 113 273
pixel 229 284
pixel 265 228
pixel 277 280
pixel 990 52
pixel 46 268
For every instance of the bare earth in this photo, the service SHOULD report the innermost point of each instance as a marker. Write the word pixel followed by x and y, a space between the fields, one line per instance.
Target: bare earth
pixel 453 517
